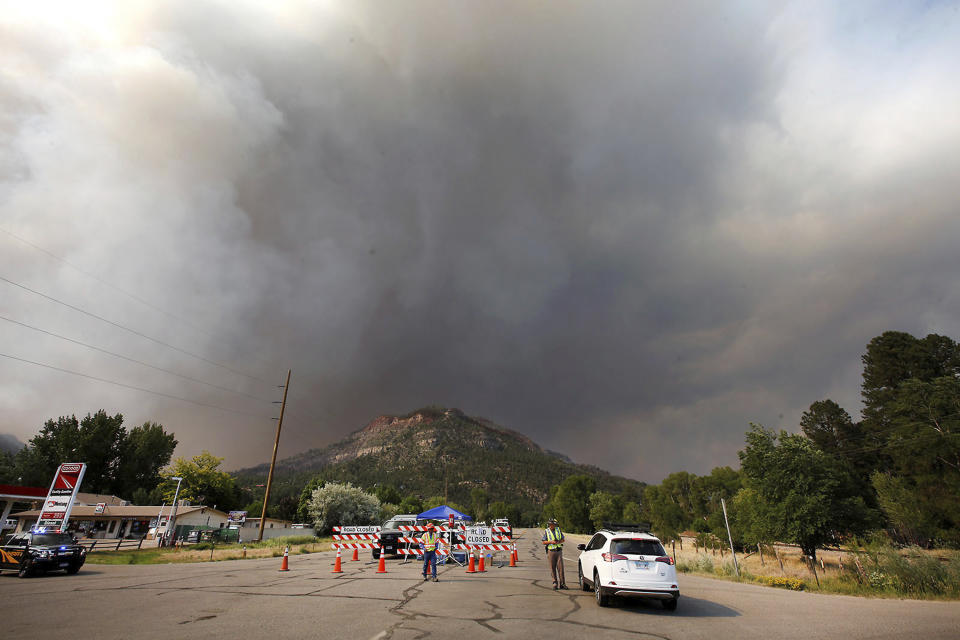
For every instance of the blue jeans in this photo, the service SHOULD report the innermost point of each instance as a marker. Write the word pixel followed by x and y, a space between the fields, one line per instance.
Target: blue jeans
pixel 430 559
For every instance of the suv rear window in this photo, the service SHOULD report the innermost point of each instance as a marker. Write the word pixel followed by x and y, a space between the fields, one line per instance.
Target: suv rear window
pixel 638 547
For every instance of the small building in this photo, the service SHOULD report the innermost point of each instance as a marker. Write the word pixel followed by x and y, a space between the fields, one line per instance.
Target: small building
pixel 269 523
pixel 111 521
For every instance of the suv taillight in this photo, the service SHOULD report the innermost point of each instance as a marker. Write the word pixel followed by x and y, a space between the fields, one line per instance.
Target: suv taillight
pixel 610 557
pixel 665 559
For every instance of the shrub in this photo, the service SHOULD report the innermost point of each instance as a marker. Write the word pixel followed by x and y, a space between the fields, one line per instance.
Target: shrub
pixel 794 584
pixel 342 504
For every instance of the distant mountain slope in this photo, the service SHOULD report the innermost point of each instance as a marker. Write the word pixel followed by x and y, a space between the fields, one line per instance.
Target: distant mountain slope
pixel 436 451
pixel 10 443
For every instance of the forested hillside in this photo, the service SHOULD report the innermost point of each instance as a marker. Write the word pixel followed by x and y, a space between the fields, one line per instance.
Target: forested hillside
pixel 435 451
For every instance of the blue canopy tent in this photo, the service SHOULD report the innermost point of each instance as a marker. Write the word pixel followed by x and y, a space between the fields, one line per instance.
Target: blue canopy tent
pixel 443 513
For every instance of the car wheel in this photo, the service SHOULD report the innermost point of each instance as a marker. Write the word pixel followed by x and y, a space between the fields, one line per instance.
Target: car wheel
pixel 670 605
pixel 73 568
pixel 376 554
pixel 583 581
pixel 602 599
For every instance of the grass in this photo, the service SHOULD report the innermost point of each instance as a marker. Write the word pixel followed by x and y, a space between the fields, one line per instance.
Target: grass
pixel 871 570
pixel 210 552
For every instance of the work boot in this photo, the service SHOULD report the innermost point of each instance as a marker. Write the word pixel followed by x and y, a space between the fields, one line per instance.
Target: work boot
pixel 435 579
pixel 424 578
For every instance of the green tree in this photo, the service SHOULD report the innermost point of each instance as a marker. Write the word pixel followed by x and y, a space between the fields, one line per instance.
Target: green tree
pixel 501 509
pixel 411 504
pixel 203 482
pixel 605 507
pixel 802 495
pixel 479 500
pixel 8 468
pixel 342 504
pixel 387 493
pixel 632 513
pixel 117 462
pixel 571 504
pixel 923 449
pixel 143 453
pixel 895 357
pixel 667 518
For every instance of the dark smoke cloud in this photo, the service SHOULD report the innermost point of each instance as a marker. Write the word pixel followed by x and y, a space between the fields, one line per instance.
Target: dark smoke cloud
pixel 625 230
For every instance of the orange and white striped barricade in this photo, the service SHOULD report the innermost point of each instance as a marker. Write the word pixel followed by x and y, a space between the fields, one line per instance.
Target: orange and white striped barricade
pixel 505 533
pixel 356 533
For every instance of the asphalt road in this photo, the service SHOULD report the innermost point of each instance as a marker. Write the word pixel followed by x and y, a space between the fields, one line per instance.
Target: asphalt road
pixel 252 599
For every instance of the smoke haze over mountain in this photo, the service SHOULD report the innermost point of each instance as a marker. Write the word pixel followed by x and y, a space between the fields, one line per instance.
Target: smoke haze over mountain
pixel 624 229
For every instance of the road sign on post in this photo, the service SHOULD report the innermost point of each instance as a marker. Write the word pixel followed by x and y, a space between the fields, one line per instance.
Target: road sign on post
pixel 63 491
pixel 479 535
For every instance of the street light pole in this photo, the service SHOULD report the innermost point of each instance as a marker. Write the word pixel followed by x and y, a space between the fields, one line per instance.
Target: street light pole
pixel 173 510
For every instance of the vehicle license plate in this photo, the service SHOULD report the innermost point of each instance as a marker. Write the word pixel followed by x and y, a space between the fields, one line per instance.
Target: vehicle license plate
pixel 64 564
pixel 641 564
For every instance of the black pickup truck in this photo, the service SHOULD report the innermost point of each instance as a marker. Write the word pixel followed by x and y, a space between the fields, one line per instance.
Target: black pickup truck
pixel 390 534
pixel 29 552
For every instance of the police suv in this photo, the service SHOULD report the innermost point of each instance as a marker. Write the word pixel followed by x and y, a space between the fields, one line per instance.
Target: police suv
pixel 626 560
pixel 31 551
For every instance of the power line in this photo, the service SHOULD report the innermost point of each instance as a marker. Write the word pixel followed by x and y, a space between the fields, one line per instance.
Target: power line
pixel 129 294
pixel 134 360
pixel 135 388
pixel 133 331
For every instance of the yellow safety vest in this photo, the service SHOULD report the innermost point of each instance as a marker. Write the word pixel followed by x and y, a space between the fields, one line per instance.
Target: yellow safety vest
pixel 429 541
pixel 555 539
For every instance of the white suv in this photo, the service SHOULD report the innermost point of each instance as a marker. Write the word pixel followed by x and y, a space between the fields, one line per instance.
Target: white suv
pixel 624 562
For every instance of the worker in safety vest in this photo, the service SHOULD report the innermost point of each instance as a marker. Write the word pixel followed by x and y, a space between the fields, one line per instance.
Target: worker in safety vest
pixel 553 543
pixel 429 542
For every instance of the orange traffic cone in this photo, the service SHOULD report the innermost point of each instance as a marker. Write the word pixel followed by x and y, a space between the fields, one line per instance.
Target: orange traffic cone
pixel 356 554
pixel 382 567
pixel 513 556
pixel 480 569
pixel 285 565
pixel 470 567
pixel 336 565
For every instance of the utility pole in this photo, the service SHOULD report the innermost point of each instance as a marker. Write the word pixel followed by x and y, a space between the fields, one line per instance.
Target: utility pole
pixel 729 537
pixel 273 460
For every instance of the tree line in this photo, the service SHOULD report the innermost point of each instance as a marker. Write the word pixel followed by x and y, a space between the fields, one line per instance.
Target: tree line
pixel 132 464
pixel 896 470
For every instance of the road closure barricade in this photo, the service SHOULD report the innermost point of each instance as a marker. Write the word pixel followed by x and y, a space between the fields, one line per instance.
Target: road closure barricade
pixel 356 538
pixel 490 542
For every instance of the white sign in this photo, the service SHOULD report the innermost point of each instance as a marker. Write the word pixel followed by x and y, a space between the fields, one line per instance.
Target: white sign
pixel 63 491
pixel 367 529
pixel 100 508
pixel 479 535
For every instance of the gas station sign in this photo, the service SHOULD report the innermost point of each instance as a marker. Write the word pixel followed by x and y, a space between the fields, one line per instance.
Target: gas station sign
pixel 63 491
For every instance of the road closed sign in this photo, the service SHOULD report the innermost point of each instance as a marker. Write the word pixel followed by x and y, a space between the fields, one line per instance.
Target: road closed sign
pixel 367 529
pixel 479 535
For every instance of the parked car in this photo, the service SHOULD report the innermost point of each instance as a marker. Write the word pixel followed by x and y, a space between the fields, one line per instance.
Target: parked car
pixel 31 551
pixel 629 562
pixel 503 522
pixel 390 533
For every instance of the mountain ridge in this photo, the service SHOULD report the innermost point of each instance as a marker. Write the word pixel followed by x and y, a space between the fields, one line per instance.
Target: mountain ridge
pixel 439 451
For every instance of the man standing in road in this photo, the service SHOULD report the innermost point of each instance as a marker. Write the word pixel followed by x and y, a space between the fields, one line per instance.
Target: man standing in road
pixel 429 541
pixel 553 543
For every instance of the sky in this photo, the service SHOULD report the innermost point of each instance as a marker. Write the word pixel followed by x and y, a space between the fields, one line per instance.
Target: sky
pixel 624 229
